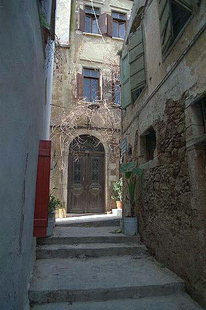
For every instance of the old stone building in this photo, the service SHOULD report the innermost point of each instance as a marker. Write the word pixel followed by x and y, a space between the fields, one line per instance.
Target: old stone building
pixel 164 100
pixel 86 112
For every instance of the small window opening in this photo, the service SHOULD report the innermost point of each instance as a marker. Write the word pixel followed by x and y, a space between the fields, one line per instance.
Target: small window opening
pixel 148 144
pixel 180 15
pixel 199 117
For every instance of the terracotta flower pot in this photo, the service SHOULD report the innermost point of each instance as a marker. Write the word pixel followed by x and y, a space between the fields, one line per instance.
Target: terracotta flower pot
pixel 119 204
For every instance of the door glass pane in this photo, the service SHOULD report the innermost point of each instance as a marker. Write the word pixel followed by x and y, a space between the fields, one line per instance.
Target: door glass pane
pixel 117 93
pixel 95 170
pixel 122 30
pixel 77 172
pixel 88 24
pixel 94 26
pixel 87 89
pixel 94 89
pixel 115 29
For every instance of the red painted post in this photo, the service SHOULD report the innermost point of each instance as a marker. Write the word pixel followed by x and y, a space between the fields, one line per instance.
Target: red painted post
pixel 42 189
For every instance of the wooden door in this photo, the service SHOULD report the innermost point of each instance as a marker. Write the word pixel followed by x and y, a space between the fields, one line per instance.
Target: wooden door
pixel 86 183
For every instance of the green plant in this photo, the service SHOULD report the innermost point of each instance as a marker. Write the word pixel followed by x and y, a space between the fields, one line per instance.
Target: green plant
pixel 130 172
pixel 54 204
pixel 117 190
pixel 43 21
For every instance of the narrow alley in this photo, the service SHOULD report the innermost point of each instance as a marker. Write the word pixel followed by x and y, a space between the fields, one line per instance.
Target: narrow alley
pixel 91 266
pixel 103 154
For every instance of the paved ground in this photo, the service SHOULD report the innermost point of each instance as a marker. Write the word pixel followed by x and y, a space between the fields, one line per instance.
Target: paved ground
pixel 97 268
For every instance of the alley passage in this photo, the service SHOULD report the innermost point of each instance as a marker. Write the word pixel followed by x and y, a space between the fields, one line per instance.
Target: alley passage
pixel 89 266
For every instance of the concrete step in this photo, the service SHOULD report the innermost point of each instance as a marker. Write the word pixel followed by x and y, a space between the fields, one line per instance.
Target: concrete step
pixel 89 250
pixel 100 279
pixel 115 222
pixel 172 302
pixel 77 235
pixel 102 220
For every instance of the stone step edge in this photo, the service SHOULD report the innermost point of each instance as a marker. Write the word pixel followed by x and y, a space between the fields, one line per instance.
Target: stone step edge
pixel 106 223
pixel 92 239
pixel 42 253
pixel 103 294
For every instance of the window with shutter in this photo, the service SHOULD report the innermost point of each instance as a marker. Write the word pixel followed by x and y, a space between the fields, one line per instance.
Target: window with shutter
pixel 136 63
pixel 173 15
pixel 125 79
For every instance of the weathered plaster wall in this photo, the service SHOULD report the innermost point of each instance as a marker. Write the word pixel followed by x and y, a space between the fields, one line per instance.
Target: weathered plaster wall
pixel 172 190
pixel 63 14
pixel 22 125
pixel 92 51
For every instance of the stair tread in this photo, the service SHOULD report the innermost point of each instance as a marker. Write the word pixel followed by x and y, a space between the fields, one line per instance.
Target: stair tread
pixel 87 232
pixel 90 246
pixel 172 302
pixel 99 273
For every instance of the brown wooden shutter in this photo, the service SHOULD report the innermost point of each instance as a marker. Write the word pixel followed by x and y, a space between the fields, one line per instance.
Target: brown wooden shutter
pixel 109 25
pixel 103 23
pixel 79 86
pixel 81 20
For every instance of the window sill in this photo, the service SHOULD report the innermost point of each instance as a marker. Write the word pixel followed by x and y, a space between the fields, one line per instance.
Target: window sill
pixel 96 35
pixel 149 164
pixel 118 39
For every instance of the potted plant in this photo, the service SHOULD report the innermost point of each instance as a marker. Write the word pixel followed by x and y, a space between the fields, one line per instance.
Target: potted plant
pixel 54 204
pixel 117 193
pixel 130 172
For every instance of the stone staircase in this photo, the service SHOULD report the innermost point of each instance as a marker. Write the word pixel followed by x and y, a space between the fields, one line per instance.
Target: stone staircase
pixel 96 268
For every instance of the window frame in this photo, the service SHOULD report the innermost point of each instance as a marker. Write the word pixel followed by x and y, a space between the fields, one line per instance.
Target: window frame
pixel 93 16
pixel 97 78
pixel 177 37
pixel 118 21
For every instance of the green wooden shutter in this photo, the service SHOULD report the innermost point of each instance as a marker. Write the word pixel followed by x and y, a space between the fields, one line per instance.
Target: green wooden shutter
pixel 165 17
pixel 125 79
pixel 136 62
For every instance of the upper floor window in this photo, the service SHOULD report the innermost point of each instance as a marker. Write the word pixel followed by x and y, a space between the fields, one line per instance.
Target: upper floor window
pixel 173 15
pixel 117 93
pixel 118 24
pixel 91 19
pixel 91 84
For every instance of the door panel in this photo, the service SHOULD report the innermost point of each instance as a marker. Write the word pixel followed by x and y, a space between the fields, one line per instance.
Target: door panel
pixel 76 186
pixel 95 183
pixel 86 189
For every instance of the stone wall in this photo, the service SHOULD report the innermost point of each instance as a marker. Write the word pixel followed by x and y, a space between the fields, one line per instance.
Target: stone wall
pixel 168 221
pixel 171 195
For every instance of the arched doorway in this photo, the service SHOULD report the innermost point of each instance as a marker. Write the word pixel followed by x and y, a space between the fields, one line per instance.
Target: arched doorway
pixel 86 176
